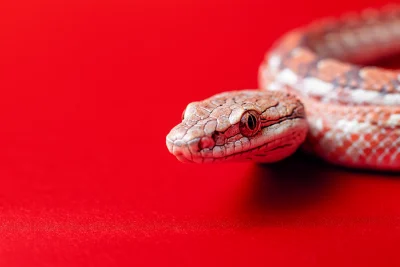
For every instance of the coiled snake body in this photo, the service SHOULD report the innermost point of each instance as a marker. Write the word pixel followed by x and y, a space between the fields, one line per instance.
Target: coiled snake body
pixel 346 113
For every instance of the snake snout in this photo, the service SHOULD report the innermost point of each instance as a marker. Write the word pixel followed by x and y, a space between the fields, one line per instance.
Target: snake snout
pixel 187 144
pixel 188 151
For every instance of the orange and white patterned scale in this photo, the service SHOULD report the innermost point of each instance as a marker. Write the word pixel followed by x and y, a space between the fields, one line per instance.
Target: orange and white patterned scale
pixel 353 111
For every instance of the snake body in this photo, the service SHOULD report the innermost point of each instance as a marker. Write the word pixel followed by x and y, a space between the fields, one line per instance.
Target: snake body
pixel 318 91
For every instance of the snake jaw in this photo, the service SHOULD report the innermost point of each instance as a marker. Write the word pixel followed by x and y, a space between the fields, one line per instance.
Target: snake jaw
pixel 212 129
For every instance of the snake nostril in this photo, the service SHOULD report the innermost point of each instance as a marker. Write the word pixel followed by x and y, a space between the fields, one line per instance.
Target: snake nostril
pixel 218 138
pixel 206 142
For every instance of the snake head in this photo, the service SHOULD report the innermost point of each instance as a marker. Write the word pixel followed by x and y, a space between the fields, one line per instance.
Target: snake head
pixel 262 126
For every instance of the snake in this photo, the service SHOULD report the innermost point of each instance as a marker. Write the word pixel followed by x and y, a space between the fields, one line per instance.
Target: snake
pixel 318 90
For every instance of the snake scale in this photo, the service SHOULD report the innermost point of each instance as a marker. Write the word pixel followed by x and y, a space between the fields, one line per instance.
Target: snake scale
pixel 317 91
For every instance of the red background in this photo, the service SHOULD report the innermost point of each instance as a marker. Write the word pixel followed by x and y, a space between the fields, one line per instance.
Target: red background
pixel 89 91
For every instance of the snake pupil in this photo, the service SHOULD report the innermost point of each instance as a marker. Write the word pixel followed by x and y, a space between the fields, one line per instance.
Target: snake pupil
pixel 251 122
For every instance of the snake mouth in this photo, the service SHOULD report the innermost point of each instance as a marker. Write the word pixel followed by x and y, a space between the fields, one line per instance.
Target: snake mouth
pixel 273 150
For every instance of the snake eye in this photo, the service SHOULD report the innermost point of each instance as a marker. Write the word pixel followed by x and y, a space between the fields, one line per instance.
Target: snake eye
pixel 249 123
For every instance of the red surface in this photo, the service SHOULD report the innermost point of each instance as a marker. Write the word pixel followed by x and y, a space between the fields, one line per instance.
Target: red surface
pixel 88 93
